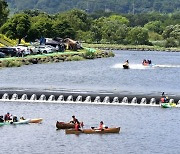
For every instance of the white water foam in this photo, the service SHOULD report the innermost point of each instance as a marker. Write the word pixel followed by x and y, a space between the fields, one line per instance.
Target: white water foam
pixel 140 66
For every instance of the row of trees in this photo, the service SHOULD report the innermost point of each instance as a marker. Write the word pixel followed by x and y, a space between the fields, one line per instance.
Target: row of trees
pixel 107 28
pixel 118 6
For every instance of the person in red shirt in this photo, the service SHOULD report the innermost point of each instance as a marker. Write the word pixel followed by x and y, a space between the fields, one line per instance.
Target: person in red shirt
pixel 7 117
pixel 77 126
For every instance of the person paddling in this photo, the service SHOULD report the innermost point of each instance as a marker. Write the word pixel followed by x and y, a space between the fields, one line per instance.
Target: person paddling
pixel 164 98
pixel 1 118
pixel 74 120
pixel 7 117
pixel 102 126
pixel 77 126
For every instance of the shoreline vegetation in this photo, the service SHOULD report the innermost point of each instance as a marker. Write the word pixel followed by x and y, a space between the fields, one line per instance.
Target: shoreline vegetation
pixel 83 54
pixel 130 47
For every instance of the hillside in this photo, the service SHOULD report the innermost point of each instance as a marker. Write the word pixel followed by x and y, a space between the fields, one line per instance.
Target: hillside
pixel 119 6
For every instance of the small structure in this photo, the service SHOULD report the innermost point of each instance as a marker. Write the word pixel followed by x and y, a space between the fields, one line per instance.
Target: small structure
pixel 72 45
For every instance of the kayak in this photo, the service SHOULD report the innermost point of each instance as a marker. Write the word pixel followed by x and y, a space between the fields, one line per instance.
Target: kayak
pixel 63 125
pixel 126 66
pixel 37 120
pixel 168 105
pixel 93 131
pixel 15 123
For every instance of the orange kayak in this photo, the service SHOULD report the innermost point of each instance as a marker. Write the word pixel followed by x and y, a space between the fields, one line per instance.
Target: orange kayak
pixel 37 120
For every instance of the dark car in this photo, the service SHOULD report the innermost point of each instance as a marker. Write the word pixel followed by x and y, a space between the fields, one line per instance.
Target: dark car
pixel 2 55
pixel 8 51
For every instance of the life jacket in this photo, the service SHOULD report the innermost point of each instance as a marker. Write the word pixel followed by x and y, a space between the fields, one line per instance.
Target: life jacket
pixel 162 100
pixel 76 127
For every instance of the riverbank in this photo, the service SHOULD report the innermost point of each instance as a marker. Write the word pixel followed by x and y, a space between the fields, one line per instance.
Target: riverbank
pixel 131 47
pixel 83 54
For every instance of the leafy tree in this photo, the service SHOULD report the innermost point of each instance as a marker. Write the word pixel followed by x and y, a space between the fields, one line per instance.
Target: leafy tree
pixel 78 19
pixel 172 32
pixel 138 36
pixel 16 27
pixel 170 42
pixel 41 26
pixel 154 26
pixel 63 29
pixel 111 29
pixel 3 12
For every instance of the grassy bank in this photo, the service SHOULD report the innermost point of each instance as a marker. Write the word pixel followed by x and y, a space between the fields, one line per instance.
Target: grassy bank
pixel 131 47
pixel 84 54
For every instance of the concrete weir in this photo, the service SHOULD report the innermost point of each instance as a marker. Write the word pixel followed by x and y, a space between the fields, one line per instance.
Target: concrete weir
pixel 86 97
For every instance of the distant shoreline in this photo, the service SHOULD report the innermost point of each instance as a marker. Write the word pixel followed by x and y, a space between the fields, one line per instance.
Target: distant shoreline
pixel 131 47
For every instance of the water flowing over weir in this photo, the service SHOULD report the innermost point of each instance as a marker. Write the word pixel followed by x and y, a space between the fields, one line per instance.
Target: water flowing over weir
pixel 82 97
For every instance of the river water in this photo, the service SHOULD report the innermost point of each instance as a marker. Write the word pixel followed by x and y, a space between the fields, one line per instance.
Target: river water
pixel 143 129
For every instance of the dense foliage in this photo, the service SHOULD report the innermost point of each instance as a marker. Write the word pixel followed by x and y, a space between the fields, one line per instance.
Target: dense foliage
pixel 3 11
pixel 119 6
pixel 139 29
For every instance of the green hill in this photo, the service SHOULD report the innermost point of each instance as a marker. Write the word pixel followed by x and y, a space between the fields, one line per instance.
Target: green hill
pixel 119 6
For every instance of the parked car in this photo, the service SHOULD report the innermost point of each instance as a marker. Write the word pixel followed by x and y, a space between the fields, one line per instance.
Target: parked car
pixel 2 55
pixel 9 51
pixel 23 49
pixel 46 49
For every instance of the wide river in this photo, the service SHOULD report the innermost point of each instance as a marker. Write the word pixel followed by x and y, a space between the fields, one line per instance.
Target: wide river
pixel 144 130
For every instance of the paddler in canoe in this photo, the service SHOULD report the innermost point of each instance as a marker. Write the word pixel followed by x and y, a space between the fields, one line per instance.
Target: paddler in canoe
pixel 7 117
pixel 164 98
pixel 101 127
pixel 1 119
pixel 126 64
pixel 74 120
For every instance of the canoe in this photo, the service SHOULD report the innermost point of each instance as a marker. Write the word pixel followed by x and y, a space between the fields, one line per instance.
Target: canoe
pixel 37 120
pixel 15 123
pixel 63 125
pixel 93 131
pixel 126 66
pixel 168 105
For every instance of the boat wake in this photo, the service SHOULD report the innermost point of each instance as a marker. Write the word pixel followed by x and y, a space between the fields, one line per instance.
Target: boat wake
pixel 133 66
pixel 140 66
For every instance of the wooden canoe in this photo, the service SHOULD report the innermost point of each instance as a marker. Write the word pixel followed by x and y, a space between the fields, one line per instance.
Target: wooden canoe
pixel 63 125
pixel 37 120
pixel 93 131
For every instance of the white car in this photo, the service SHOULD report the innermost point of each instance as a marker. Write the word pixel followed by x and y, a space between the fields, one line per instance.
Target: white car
pixel 23 48
pixel 46 49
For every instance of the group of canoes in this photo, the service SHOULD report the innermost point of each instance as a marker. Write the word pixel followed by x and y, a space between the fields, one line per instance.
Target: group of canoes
pixel 144 63
pixel 9 119
pixel 73 128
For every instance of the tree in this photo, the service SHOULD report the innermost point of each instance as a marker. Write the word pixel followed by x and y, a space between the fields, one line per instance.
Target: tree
pixel 78 19
pixel 138 36
pixel 4 12
pixel 154 26
pixel 16 27
pixel 172 32
pixel 63 29
pixel 41 26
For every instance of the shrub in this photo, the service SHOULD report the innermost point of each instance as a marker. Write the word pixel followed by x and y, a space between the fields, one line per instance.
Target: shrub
pixel 170 42
pixel 89 55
